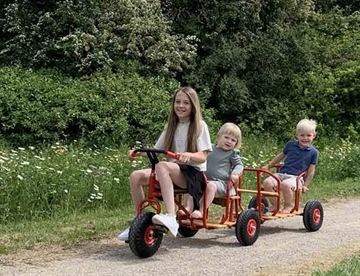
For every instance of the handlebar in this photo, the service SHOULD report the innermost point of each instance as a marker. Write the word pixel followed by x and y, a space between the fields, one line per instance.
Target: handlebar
pixel 157 151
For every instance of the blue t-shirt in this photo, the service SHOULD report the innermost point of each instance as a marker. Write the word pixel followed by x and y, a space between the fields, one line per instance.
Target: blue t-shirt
pixel 298 159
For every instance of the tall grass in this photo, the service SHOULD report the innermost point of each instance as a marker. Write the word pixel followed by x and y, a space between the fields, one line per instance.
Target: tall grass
pixel 66 179
pixel 61 179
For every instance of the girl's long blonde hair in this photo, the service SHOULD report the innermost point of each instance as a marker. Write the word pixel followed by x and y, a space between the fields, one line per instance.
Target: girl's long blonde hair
pixel 195 121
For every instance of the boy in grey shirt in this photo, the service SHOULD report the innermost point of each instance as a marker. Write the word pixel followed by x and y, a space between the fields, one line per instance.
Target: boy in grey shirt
pixel 223 163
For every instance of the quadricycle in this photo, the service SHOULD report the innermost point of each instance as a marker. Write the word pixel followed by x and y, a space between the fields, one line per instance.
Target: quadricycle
pixel 145 237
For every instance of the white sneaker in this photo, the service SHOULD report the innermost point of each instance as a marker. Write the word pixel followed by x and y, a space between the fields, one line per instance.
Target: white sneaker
pixel 124 235
pixel 169 221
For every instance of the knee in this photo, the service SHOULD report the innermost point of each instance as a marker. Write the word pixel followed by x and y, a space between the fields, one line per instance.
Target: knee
pixel 286 186
pixel 211 187
pixel 268 184
pixel 135 178
pixel 161 168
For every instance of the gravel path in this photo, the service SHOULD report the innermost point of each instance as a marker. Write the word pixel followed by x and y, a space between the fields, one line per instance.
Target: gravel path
pixel 284 247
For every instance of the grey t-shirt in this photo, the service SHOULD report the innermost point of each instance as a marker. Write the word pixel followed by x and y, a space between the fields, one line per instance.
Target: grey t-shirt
pixel 180 142
pixel 221 164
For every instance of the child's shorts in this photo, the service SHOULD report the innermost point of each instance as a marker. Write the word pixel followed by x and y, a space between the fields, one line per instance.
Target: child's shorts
pixel 289 177
pixel 221 188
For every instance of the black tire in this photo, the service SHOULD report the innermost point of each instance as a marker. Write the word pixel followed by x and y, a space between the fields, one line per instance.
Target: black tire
pixel 187 232
pixel 264 204
pixel 247 227
pixel 144 240
pixel 313 215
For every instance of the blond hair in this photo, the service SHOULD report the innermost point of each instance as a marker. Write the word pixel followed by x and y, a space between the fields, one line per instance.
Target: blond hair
pixel 231 129
pixel 195 121
pixel 306 125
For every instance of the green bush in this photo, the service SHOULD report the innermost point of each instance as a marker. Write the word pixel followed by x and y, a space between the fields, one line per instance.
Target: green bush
pixel 45 107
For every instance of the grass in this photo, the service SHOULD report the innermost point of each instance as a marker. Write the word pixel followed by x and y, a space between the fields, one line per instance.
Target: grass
pixel 65 230
pixel 346 267
pixel 67 194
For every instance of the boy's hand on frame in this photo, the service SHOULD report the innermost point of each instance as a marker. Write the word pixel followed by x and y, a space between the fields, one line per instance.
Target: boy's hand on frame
pixel 305 189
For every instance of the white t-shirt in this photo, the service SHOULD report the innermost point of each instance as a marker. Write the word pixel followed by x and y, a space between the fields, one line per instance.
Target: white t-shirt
pixel 180 142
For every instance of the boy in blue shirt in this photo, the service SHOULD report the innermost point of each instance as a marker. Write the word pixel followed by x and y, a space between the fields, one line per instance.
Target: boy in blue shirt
pixel 299 155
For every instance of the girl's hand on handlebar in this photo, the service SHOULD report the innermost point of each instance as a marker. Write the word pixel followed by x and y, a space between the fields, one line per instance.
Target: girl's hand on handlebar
pixel 131 155
pixel 185 157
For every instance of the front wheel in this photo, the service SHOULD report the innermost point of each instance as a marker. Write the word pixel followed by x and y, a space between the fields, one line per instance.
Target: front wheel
pixel 313 216
pixel 144 240
pixel 247 227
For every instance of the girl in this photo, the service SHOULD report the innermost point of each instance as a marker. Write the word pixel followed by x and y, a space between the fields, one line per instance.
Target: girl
pixel 223 163
pixel 186 134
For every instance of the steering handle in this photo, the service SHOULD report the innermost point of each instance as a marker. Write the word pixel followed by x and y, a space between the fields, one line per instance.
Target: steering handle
pixel 157 151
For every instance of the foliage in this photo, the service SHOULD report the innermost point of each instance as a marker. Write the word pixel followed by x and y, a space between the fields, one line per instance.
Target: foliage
pixel 40 181
pixel 44 107
pixel 328 91
pixel 348 6
pixel 248 53
pixel 79 37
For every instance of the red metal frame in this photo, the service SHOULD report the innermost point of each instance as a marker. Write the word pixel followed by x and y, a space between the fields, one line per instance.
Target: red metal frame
pixel 260 192
pixel 233 204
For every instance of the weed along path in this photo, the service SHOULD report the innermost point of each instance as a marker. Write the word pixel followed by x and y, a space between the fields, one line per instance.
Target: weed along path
pixel 284 247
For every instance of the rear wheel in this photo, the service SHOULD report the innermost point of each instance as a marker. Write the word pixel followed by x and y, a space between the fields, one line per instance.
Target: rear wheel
pixel 313 216
pixel 264 205
pixel 247 227
pixel 187 232
pixel 144 240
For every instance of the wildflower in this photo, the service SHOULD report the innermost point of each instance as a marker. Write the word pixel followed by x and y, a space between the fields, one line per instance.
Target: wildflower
pixel 96 188
pixel 25 163
pixel 20 148
pixel 117 180
pixel 40 158
pixel 20 177
pixel 31 147
pixel 66 191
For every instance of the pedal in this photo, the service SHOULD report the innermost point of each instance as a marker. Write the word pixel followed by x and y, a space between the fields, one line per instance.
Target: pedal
pixel 160 229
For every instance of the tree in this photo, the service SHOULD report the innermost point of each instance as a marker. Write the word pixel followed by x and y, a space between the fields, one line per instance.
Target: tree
pixel 82 36
pixel 247 55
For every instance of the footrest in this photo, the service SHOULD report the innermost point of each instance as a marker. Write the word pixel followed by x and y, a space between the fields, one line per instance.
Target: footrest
pixel 222 200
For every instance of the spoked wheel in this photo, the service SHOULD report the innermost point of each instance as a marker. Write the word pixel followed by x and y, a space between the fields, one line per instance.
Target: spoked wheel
pixel 313 216
pixel 144 240
pixel 247 227
pixel 187 232
pixel 264 205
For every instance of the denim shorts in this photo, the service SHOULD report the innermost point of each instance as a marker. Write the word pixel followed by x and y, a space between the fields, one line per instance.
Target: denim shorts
pixel 221 188
pixel 290 178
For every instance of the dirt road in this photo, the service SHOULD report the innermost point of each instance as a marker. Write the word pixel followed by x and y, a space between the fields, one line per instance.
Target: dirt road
pixel 284 247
